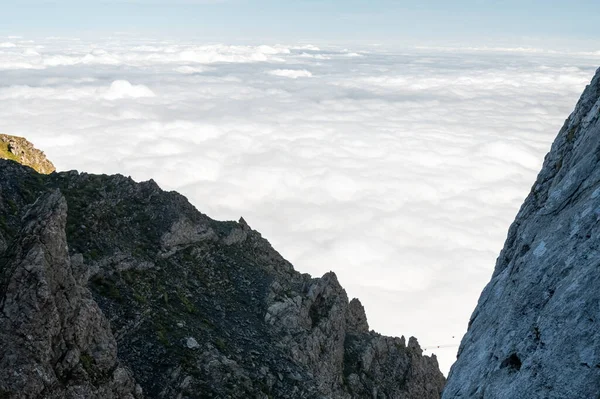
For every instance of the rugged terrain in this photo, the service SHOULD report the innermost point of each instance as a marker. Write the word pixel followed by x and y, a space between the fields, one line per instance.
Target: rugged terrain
pixel 20 150
pixel 115 289
pixel 534 333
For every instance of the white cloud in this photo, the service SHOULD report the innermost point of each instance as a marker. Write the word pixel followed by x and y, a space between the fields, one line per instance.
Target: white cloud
pixel 399 170
pixel 79 53
pixel 310 47
pixel 186 69
pixel 291 73
pixel 315 56
pixel 352 54
pixel 120 89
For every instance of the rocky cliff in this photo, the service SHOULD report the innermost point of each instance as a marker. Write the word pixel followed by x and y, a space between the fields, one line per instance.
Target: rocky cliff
pixel 116 289
pixel 20 150
pixel 534 332
pixel 55 342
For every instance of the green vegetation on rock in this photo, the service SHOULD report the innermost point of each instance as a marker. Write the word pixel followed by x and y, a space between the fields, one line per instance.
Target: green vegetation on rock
pixel 20 150
pixel 201 308
pixel 5 152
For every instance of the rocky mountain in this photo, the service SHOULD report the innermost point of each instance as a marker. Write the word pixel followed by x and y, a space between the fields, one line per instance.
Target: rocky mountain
pixel 534 332
pixel 56 343
pixel 115 289
pixel 20 150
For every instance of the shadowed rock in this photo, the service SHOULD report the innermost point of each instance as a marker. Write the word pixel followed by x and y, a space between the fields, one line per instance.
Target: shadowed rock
pixel 54 340
pixel 198 308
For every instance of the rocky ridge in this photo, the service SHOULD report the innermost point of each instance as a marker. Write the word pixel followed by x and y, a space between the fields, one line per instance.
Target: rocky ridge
pixel 20 150
pixel 534 332
pixel 111 288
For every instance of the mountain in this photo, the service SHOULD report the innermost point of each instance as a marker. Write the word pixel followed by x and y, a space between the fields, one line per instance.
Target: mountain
pixel 115 289
pixel 534 332
pixel 22 151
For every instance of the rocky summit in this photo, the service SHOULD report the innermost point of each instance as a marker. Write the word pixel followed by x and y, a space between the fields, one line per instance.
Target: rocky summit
pixel 20 150
pixel 115 289
pixel 534 332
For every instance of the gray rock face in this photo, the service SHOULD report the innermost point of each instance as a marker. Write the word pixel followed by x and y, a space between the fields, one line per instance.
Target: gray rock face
pixel 197 308
pixel 534 333
pixel 54 340
pixel 330 338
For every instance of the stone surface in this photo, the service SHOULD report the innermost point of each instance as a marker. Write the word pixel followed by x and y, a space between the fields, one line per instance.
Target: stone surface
pixel 20 150
pixel 191 343
pixel 534 332
pixel 197 308
pixel 54 340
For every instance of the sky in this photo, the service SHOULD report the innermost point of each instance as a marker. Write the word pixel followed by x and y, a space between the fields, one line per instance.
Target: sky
pixel 437 21
pixel 391 142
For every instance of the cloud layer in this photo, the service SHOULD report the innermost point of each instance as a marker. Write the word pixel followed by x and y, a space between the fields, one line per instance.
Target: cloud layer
pixel 400 170
pixel 291 73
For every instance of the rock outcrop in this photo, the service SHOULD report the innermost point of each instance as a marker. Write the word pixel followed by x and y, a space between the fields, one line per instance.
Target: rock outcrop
pixel 22 151
pixel 54 340
pixel 197 308
pixel 534 332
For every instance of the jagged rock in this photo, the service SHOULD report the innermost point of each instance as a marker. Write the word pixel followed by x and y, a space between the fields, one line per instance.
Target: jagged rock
pixel 379 357
pixel 191 343
pixel 20 150
pixel 205 309
pixel 357 319
pixel 184 232
pixel 534 332
pixel 54 340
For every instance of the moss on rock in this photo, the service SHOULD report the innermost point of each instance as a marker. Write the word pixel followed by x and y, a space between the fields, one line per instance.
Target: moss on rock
pixel 20 150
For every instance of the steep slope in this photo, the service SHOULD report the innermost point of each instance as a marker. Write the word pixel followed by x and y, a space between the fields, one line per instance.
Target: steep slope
pixel 20 150
pixel 205 309
pixel 54 340
pixel 534 332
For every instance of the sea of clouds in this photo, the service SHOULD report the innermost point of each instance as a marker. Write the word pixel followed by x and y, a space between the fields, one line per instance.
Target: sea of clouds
pixel 399 169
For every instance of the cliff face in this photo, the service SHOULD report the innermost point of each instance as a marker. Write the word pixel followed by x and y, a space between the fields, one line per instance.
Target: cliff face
pixel 55 341
pixel 193 307
pixel 534 332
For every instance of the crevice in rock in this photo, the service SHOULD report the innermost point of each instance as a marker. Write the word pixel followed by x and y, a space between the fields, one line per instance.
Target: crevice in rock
pixel 317 311
pixel 513 362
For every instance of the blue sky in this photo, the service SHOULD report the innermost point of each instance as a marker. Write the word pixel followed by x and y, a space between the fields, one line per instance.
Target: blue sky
pixel 466 21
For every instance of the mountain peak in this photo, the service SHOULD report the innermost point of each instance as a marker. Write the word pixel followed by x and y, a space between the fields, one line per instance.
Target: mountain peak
pixel 20 150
